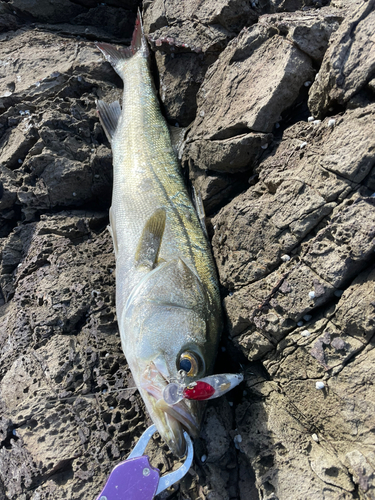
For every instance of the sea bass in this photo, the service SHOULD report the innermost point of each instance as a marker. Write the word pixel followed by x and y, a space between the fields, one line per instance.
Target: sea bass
pixel 167 295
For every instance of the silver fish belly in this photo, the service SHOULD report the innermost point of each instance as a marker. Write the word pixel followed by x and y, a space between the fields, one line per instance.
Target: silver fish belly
pixel 167 295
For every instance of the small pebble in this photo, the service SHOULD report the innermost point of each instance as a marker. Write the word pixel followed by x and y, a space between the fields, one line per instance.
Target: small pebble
pixel 305 333
pixel 331 122
pixel 244 393
pixel 237 438
pixel 20 162
pixel 316 122
pixel 111 407
pixel 320 385
pixel 315 438
pixel 201 113
pixel 312 295
pixel 96 176
pixel 303 145
pixel 338 293
pixel 74 194
pixel 300 323
pixel 203 458
pixel 285 258
pixel 307 317
pixel 230 403
pixel 265 146
pixel 277 125
pixel 104 391
pixel 177 125
pixel 106 354
pixel 310 119
pixel 307 84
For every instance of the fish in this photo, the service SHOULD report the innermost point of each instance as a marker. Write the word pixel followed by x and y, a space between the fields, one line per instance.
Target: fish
pixel 168 303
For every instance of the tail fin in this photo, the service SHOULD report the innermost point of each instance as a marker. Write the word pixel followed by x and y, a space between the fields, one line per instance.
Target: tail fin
pixel 117 56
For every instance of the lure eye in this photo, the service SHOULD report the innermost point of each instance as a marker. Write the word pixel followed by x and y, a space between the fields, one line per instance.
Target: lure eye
pixel 189 363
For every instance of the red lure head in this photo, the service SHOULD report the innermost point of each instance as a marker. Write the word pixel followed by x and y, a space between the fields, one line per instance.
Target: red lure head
pixel 199 391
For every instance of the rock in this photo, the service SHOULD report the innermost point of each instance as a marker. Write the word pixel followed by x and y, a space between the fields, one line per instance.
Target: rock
pixel 349 63
pixel 53 11
pixel 228 155
pixel 247 61
pixel 309 30
pixel 355 311
pixel 214 188
pixel 187 38
pixel 353 248
pixel 363 471
pixel 237 103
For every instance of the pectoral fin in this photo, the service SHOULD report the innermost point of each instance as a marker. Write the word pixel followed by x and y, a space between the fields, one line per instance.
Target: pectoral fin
pixel 112 231
pixel 150 241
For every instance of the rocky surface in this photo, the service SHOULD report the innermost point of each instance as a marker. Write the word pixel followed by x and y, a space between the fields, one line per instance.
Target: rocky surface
pixel 280 99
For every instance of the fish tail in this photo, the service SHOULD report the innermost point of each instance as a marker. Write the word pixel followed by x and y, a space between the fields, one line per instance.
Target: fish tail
pixel 118 56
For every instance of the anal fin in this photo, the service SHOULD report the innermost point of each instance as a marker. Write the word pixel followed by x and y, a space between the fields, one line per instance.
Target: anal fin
pixel 149 244
pixel 109 115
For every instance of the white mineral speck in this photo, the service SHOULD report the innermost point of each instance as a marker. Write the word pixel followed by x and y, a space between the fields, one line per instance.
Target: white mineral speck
pixel 20 162
pixel 96 176
pixel 331 122
pixel 300 323
pixel 338 293
pixel 307 84
pixel 74 194
pixel 312 295
pixel 320 385
pixel 201 113
pixel 307 317
pixel 285 258
pixel 7 94
pixel 303 145
pixel 316 122
pixel 305 333
pixel 315 437
pixel 237 438
pixel 203 458
pixel 310 119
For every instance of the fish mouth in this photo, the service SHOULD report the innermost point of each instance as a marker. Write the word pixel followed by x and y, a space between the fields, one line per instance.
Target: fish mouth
pixel 170 421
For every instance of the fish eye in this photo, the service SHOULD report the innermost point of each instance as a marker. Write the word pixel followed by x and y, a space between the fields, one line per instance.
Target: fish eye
pixel 189 363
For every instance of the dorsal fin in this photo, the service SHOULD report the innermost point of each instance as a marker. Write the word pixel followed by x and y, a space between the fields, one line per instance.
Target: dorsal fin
pixel 149 244
pixel 109 115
